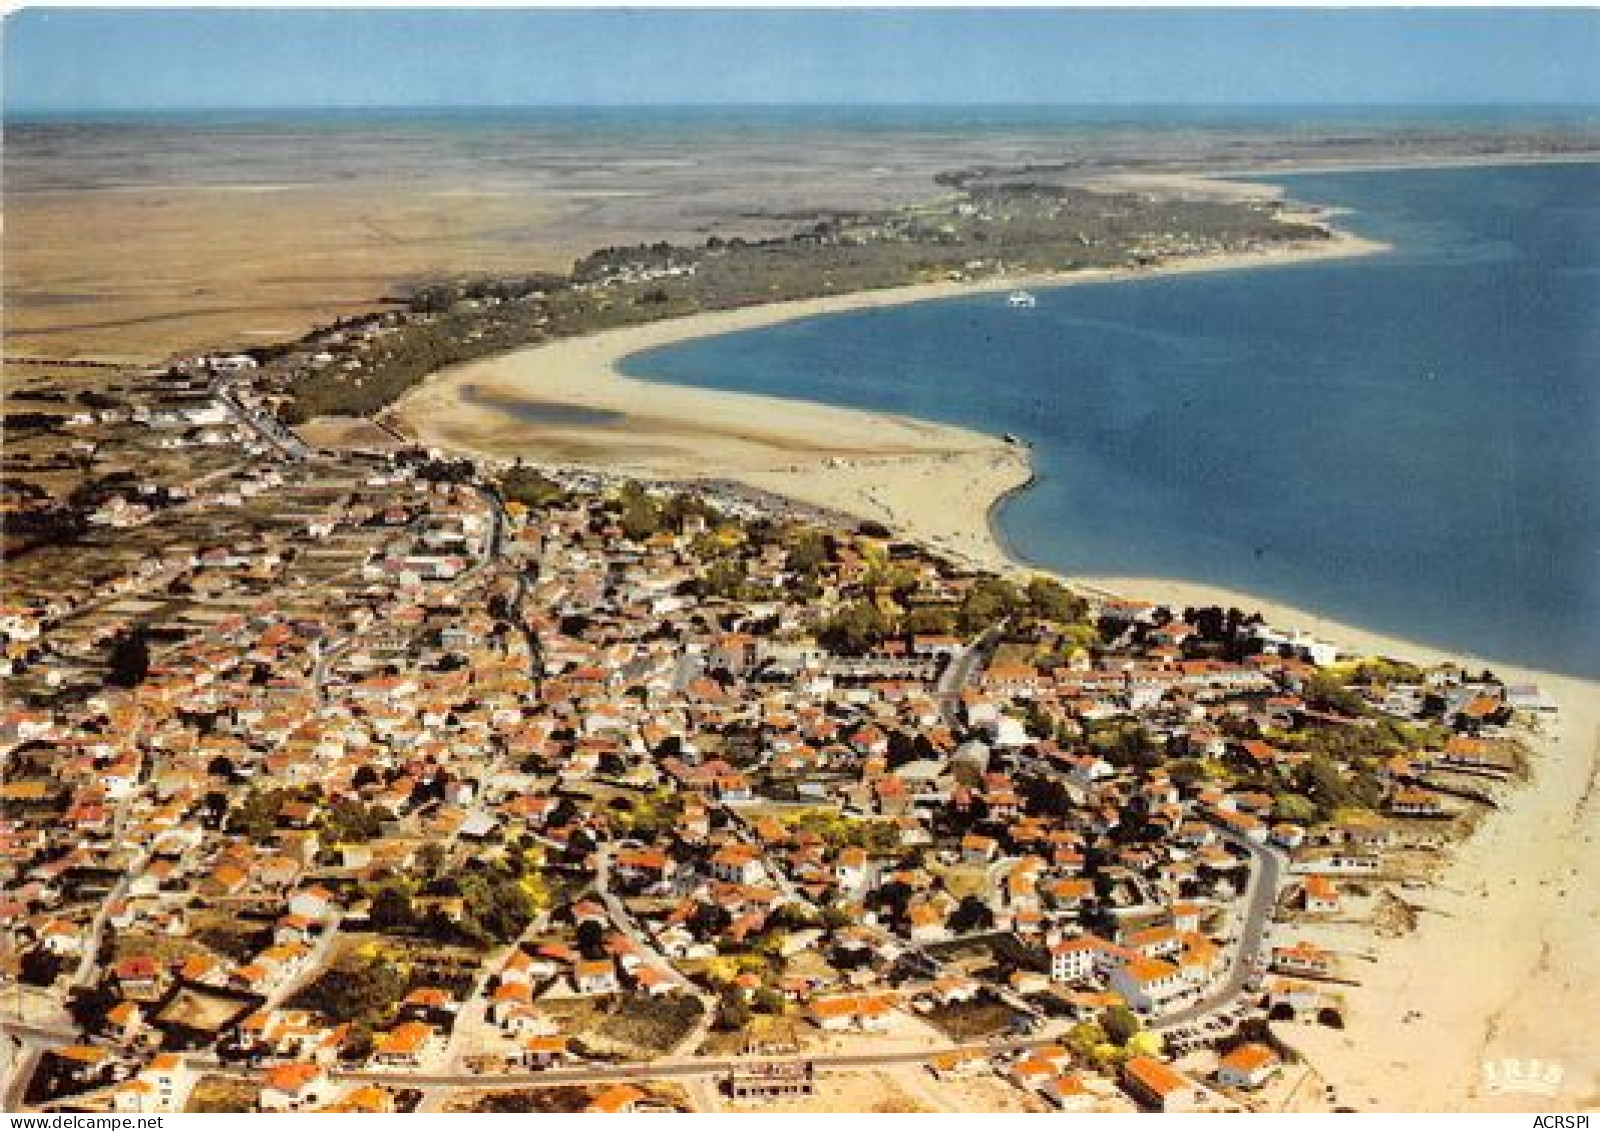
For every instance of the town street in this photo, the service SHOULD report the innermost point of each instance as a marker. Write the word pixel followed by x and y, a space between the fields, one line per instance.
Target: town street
pixel 1260 898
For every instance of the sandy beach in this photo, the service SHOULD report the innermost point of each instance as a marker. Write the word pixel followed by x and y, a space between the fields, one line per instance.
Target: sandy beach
pixel 566 402
pixel 1495 967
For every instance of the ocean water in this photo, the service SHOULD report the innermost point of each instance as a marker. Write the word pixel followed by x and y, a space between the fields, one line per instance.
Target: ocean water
pixel 1408 442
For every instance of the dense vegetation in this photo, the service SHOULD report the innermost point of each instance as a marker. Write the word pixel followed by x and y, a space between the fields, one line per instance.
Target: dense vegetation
pixel 995 227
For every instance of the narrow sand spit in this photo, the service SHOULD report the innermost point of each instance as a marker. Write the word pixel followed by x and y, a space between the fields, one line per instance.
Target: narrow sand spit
pixel 922 477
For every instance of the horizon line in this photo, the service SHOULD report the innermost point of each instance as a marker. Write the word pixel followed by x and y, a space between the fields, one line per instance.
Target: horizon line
pixel 1108 104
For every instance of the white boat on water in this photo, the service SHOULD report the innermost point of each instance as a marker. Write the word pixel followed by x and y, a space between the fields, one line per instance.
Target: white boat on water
pixel 1023 300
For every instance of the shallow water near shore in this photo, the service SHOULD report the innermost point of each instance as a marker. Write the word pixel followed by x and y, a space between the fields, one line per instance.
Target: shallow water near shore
pixel 1404 442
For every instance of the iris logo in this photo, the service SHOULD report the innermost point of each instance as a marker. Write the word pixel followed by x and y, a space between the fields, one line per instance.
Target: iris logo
pixel 1533 1077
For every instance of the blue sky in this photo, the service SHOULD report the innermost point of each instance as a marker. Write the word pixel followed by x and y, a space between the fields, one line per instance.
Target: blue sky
pixel 73 59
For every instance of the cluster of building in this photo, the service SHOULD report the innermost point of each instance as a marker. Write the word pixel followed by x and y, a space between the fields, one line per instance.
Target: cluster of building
pixel 391 685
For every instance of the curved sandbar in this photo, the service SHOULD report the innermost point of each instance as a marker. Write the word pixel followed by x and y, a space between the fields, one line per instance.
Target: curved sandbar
pixel 934 483
pixel 927 479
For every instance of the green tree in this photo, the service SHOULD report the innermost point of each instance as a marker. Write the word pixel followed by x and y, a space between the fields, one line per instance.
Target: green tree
pixel 768 1000
pixel 726 577
pixel 1084 1037
pixel 531 488
pixel 808 553
pixel 1319 779
pixel 1293 807
pixel 989 601
pixel 854 629
pixel 391 910
pixel 350 822
pixel 497 906
pixel 1125 743
pixel 1050 600
pixel 257 815
pixel 929 620
pixel 640 516
pixel 1079 635
pixel 354 989
pixel 733 1014
pixel 1324 691
pixel 1119 1024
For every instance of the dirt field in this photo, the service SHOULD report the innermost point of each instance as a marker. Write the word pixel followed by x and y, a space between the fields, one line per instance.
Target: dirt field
pixel 874 1092
pixel 239 241
pixel 222 1093
pixel 558 1100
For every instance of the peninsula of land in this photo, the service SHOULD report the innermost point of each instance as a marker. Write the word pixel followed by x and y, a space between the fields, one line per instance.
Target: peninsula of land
pixel 934 482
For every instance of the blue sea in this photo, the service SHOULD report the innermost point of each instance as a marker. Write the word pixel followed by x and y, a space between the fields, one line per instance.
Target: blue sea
pixel 1408 442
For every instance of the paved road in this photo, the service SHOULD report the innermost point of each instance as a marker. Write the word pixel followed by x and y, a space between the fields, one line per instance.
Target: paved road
pixel 472 1027
pixel 1267 869
pixel 964 665
pixel 89 964
pixel 315 962
pixel 319 670
pixel 663 1069
pixel 494 546
pixel 263 425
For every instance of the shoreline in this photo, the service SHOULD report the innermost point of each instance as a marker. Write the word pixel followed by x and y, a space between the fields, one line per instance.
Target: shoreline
pixel 660 429
pixel 1502 933
pixel 936 483
pixel 1464 161
pixel 806 450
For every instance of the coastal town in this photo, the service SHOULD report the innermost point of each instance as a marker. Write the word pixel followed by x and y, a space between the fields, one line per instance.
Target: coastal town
pixel 767 562
pixel 371 777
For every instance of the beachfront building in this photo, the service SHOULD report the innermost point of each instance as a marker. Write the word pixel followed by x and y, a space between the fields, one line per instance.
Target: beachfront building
pixel 1161 1087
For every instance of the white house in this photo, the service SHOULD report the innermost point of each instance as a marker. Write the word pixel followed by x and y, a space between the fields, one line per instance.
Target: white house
pixel 297 1086
pixel 161 1086
pixel 1073 960
pixel 1248 1066
pixel 737 864
pixel 1148 985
